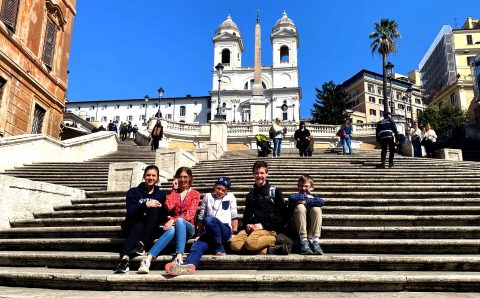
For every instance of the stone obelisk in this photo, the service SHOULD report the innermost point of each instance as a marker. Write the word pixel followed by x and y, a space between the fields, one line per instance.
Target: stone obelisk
pixel 257 103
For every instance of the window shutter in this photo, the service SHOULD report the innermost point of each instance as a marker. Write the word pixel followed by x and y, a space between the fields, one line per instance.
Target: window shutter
pixel 9 13
pixel 49 44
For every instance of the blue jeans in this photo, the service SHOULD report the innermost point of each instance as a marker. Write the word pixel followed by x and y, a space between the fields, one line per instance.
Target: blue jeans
pixel 215 233
pixel 346 143
pixel 277 146
pixel 181 232
pixel 417 147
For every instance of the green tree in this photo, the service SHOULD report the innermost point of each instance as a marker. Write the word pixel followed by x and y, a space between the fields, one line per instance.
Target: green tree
pixel 445 118
pixel 330 105
pixel 384 44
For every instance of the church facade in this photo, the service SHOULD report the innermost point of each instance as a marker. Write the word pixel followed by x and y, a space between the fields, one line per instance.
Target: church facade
pixel 278 93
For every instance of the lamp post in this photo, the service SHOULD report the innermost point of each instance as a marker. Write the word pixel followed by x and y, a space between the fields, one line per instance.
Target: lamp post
pixel 293 112
pixel 409 95
pixel 160 95
pixel 234 112
pixel 146 106
pixel 389 70
pixel 219 115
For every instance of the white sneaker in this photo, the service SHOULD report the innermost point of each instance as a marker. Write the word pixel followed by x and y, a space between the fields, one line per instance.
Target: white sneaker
pixel 144 267
pixel 178 259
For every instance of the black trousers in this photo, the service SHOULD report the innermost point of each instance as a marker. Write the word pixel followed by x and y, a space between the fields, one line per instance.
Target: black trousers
pixel 391 149
pixel 141 228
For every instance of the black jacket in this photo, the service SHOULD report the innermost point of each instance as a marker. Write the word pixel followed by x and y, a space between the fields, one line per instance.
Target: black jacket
pixel 302 135
pixel 386 130
pixel 261 208
pixel 137 198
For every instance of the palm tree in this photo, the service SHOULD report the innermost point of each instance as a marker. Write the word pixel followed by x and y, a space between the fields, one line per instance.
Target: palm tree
pixel 384 43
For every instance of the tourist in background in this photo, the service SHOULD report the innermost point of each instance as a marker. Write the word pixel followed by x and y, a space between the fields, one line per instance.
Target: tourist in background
pixel 156 135
pixel 145 211
pixel 301 137
pixel 345 134
pixel 134 130
pixel 387 135
pixel 311 144
pixel 415 137
pixel 182 204
pixel 429 137
pixel 279 132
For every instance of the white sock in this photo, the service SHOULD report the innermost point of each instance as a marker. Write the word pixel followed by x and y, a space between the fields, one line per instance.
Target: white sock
pixel 316 239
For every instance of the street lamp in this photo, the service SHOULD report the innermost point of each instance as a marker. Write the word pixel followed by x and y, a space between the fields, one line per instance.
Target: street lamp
pixel 219 115
pixel 293 112
pixel 146 106
pixel 409 95
pixel 160 95
pixel 389 70
pixel 234 112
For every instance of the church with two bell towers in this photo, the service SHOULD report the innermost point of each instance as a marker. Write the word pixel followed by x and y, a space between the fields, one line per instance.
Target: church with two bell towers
pixel 258 93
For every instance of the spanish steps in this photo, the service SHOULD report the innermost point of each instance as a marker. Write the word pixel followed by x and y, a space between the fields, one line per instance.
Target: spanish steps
pixel 414 227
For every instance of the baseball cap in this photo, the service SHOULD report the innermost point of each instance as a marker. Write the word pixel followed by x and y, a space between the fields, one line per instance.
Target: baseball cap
pixel 225 181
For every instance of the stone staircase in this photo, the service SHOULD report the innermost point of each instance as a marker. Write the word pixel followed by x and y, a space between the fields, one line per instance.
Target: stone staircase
pixel 414 227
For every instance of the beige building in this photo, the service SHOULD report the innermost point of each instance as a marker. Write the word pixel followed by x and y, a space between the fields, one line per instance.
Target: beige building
pixel 35 41
pixel 446 67
pixel 365 95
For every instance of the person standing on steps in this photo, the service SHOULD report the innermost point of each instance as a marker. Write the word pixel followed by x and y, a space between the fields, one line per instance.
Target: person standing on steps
pixel 387 135
pixel 145 211
pixel 263 218
pixel 306 216
pixel 218 221
pixel 156 135
pixel 182 204
pixel 429 137
pixel 415 136
pixel 301 137
pixel 346 130
pixel 279 132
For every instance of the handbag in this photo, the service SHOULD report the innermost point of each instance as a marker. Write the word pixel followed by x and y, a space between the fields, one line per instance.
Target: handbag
pixel 341 133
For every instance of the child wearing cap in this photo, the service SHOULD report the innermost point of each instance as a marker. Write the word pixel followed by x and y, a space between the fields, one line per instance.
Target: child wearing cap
pixel 217 222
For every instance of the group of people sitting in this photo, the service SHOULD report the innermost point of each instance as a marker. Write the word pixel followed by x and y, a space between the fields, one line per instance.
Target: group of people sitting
pixel 266 220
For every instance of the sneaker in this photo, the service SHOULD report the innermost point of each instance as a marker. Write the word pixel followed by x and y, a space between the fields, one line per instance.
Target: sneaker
pixel 178 259
pixel 316 248
pixel 175 269
pixel 122 266
pixel 280 249
pixel 139 250
pixel 305 248
pixel 144 267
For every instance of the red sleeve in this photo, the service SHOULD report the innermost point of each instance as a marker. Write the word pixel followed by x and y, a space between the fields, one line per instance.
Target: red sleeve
pixel 172 198
pixel 190 206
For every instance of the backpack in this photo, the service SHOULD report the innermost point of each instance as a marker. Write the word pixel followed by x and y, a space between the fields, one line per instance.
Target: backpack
pixel 271 133
pixel 341 133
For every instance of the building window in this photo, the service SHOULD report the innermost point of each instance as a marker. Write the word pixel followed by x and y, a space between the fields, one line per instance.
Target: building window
pixel 104 119
pixel 117 107
pixel 380 101
pixel 226 57
pixel 78 108
pixel 373 112
pixel 419 111
pixel 284 116
pixel 469 39
pixel 38 116
pixel 284 54
pixel 408 109
pixel 399 95
pixel 9 13
pixel 380 90
pixel 130 118
pixel 104 107
pixel 90 118
pixel 370 88
pixel 195 103
pixel 359 121
pixel 453 99
pixel 470 60
pixel 169 116
pixel 156 105
pixel 142 117
pixel 418 101
pixel 182 111
pixel 92 108
pixel 371 99
pixel 117 118
pixel 49 44
pixel 209 104
pixel 129 106
pixel 401 106
pixel 169 104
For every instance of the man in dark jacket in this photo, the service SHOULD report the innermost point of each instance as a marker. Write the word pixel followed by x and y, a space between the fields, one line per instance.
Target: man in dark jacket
pixel 263 218
pixel 301 137
pixel 387 135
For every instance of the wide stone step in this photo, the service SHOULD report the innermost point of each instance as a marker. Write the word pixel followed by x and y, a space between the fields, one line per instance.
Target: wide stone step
pixel 328 232
pixel 381 262
pixel 244 280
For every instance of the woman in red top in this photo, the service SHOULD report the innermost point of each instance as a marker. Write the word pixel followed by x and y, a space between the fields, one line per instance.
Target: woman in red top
pixel 182 203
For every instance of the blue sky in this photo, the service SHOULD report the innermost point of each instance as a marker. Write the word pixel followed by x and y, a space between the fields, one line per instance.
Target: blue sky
pixel 126 49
